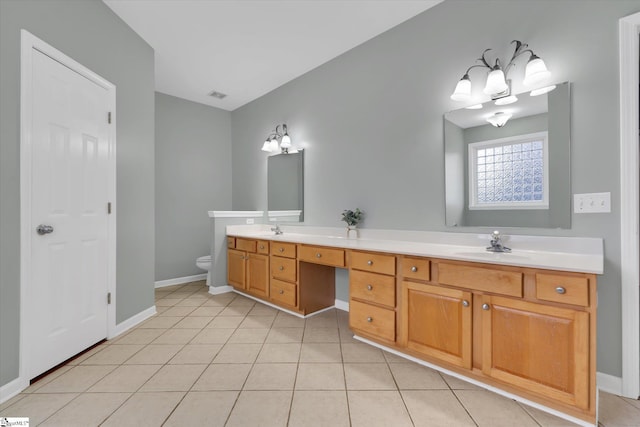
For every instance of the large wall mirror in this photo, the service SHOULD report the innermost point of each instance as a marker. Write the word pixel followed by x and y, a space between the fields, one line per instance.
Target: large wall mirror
pixel 285 187
pixel 513 174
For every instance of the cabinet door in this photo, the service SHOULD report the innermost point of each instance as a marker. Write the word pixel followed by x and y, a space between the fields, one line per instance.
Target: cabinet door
pixel 236 267
pixel 539 348
pixel 437 322
pixel 258 274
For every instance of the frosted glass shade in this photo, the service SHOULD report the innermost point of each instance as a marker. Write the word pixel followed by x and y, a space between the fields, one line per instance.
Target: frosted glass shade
pixel 273 146
pixel 286 141
pixel 463 89
pixel 266 146
pixel 495 82
pixel 535 72
pixel 506 100
pixel 499 119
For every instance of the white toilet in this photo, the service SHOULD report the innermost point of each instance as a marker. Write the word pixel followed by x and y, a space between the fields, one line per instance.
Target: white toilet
pixel 204 263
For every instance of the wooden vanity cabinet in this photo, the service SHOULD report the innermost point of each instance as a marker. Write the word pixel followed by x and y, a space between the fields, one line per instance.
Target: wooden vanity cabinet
pixel 283 277
pixel 248 266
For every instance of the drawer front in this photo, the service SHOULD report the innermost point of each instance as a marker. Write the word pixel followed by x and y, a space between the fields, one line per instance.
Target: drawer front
pixel 322 255
pixel 231 242
pixel 563 289
pixel 287 250
pixel 373 287
pixel 372 320
pixel 262 247
pixel 481 279
pixel 283 292
pixel 416 268
pixel 375 263
pixel 246 245
pixel 283 268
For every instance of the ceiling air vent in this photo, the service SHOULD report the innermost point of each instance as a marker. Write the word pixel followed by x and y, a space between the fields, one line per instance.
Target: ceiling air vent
pixel 217 94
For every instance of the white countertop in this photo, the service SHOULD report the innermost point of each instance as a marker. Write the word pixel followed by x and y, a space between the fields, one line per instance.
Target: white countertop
pixel 577 254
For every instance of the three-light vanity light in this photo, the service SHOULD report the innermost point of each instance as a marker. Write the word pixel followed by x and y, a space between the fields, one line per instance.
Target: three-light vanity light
pixel 279 141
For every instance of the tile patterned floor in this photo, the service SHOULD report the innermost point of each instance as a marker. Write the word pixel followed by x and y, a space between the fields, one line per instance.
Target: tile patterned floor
pixel 227 361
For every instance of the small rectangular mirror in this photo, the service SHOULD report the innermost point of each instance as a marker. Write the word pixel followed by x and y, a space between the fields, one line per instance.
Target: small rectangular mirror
pixel 285 187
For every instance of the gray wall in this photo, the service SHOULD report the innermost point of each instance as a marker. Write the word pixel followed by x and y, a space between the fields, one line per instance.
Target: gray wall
pixel 91 34
pixel 193 170
pixel 371 122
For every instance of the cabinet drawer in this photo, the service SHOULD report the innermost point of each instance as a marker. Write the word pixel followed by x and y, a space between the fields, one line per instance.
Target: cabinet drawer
pixel 246 245
pixel 563 289
pixel 372 320
pixel 287 250
pixel 482 279
pixel 283 292
pixel 373 287
pixel 376 263
pixel 321 255
pixel 416 268
pixel 283 268
pixel 263 247
pixel 231 242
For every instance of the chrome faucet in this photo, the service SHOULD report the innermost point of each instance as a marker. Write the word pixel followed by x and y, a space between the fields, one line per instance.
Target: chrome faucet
pixel 496 243
pixel 276 230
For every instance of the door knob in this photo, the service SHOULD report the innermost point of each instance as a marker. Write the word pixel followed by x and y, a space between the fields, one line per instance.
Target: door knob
pixel 44 229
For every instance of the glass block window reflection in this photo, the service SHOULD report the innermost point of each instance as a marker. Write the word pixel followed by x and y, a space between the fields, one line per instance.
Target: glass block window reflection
pixel 509 173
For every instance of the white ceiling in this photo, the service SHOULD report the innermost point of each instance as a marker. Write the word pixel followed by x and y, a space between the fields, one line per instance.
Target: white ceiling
pixel 246 48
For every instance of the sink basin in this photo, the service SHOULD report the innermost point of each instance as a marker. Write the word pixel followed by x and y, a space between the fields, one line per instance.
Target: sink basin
pixel 498 256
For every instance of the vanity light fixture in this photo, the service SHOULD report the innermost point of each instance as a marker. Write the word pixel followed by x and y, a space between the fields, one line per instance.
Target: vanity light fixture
pixel 279 141
pixel 506 100
pixel 497 85
pixel 499 119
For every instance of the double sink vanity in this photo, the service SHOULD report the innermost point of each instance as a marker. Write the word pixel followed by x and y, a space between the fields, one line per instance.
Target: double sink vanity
pixel 522 324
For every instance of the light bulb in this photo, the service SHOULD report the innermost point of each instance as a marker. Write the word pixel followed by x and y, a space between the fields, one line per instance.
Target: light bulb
pixel 463 89
pixel 535 72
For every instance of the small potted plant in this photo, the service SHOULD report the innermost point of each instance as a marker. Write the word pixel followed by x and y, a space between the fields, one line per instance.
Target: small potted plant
pixel 352 218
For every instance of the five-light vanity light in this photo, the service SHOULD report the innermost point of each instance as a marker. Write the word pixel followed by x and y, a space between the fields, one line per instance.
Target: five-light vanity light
pixel 279 141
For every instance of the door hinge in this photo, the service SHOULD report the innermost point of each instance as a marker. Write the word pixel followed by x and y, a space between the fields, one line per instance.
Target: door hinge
pixel 109 298
pixel 109 117
pixel 109 208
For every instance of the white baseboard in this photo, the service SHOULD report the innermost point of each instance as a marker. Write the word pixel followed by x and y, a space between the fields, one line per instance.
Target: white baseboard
pixel 12 388
pixel 180 280
pixel 133 321
pixel 342 305
pixel 217 290
pixel 609 383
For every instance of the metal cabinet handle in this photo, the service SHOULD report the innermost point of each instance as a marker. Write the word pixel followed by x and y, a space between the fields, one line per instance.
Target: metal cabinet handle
pixel 318 255
pixel 485 306
pixel 369 319
pixel 369 287
pixel 414 269
pixel 261 246
pixel 44 229
pixel 561 290
pixel 281 291
pixel 281 249
pixel 369 262
pixel 465 303
pixel 281 268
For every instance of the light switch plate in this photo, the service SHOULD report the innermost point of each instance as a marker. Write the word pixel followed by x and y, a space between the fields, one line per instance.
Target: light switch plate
pixel 592 203
pixel 250 221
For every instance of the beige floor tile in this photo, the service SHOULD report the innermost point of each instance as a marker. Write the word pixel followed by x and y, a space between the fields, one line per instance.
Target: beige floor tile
pixel 174 378
pixel 320 353
pixel 320 376
pixel 77 379
pixel 46 380
pixel 249 336
pixel 235 310
pixel 196 354
pixel 633 402
pixel 125 378
pixel 238 353
pixel 319 409
pixel 225 322
pixel 223 377
pixel 257 322
pixel 361 353
pixel 346 336
pixel 161 309
pixel 492 410
pixel 279 353
pixel 217 301
pixel 154 354
pixel 139 336
pixel 203 408
pixel 323 320
pixel 272 376
pixel 167 302
pixel 286 320
pixel 206 311
pixel 4 405
pixel 160 322
pixel 411 376
pixel 263 310
pixel 193 322
pixel 240 301
pixel 284 335
pixel 176 336
pixel 38 407
pixel 181 294
pixel 145 409
pixel 88 409
pixel 261 408
pixel 615 412
pixel 115 354
pixel 212 336
pixel 190 302
pixel 87 354
pixel 321 335
pixel 545 419
pixel 458 384
pixel 392 358
pixel 178 311
pixel 368 376
pixel 377 408
pixel 435 408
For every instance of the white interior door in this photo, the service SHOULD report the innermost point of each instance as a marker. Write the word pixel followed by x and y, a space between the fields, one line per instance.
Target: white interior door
pixel 67 298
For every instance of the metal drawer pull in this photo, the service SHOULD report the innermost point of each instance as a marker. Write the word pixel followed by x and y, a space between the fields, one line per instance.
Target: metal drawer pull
pixel 485 306
pixel 281 291
pixel 281 249
pixel 44 229
pixel 465 303
pixel 261 246
pixel 281 268
pixel 369 262
pixel 561 290
pixel 369 287
pixel 414 269
pixel 369 319
pixel 318 255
